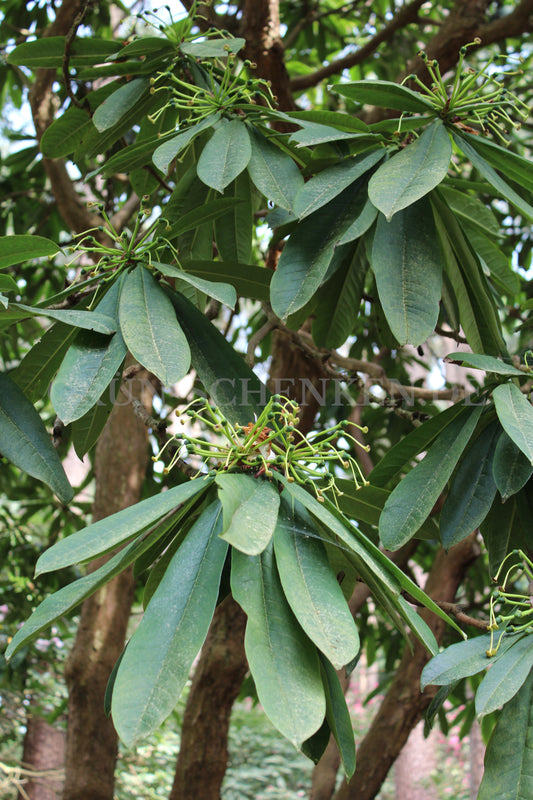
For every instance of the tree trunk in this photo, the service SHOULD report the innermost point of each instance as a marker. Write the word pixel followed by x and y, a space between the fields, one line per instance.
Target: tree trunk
pixel 404 703
pixel 120 466
pixel 43 756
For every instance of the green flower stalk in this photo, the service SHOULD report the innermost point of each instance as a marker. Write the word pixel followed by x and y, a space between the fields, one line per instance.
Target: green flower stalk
pixel 272 443
pixel 515 609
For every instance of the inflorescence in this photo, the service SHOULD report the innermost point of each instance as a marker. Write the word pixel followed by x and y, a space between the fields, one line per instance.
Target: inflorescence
pixel 516 608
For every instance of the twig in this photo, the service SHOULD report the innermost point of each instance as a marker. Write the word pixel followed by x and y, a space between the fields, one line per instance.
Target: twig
pixel 69 41
pixel 256 340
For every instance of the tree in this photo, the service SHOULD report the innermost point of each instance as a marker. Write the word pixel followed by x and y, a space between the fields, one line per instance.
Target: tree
pixel 396 201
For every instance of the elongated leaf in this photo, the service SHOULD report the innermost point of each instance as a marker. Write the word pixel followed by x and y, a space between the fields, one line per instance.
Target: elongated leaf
pixel 88 320
pixel 515 167
pixel 150 328
pixel 323 187
pixel 462 660
pixel 168 151
pixel 493 178
pixel 361 223
pixel 234 387
pixel 503 681
pixel 408 270
pixel 157 662
pixel 413 499
pixel 66 133
pixel 516 416
pixel 337 119
pixel 283 662
pixel 384 94
pixel 311 587
pixel 204 213
pixel 220 291
pixel 250 509
pixel 36 370
pixel 419 627
pixel 472 210
pixel 117 104
pixel 247 279
pixel 233 230
pixel 212 48
pixel 25 441
pixel 15 249
pixel 509 757
pixel 493 258
pixel 472 490
pixel 488 363
pixel 316 133
pixel 413 172
pixel 7 284
pixel 273 171
pixel 86 430
pixel 50 51
pixel 225 155
pixel 499 529
pixel 511 468
pixel 108 533
pixel 67 598
pixel 338 717
pixel 306 256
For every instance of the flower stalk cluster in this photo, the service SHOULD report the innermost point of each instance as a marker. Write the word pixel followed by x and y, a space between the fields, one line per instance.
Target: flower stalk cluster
pixel 515 609
pixel 271 444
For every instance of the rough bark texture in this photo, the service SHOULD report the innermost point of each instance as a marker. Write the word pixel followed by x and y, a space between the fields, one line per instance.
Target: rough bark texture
pixel 120 466
pixel 43 755
pixel 404 703
pixel 217 680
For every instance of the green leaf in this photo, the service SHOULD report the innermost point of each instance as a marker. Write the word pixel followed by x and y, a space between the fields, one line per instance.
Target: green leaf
pixel 413 172
pixel 88 320
pixel 513 166
pixel 315 133
pixel 36 370
pixel 472 490
pixel 26 443
pixel 250 509
pixel 66 133
pixel 361 223
pixel 160 654
pixel 273 171
pixel 108 533
pixel 493 259
pixel 220 291
pixel 408 271
pixel 15 249
pixel 338 717
pixel 505 678
pixel 310 585
pixel 212 48
pixel 412 500
pixel 462 660
pixel 234 387
pixel 168 151
pixel 510 468
pixel 283 662
pixel 384 94
pixel 498 530
pixel 86 430
pixel 204 213
pixel 488 363
pixel 472 210
pixel 119 103
pixel 419 627
pixel 322 188
pixel 7 284
pixel 234 230
pixel 247 279
pixel 150 328
pixel 225 155
pixel 516 416
pixel 492 177
pixel 307 254
pixel 336 119
pixel 49 52
pixel 509 755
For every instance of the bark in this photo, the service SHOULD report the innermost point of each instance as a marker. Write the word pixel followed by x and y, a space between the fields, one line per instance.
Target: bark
pixel 217 680
pixel 43 756
pixel 120 466
pixel 404 703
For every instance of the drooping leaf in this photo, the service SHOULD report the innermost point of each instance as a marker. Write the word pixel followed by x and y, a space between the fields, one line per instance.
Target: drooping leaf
pixel 273 171
pixel 515 413
pixel 36 370
pixel 315 133
pixel 157 662
pixel 250 511
pixel 413 499
pixel 213 48
pixel 462 660
pixel 108 533
pixel 488 363
pixel 413 172
pixel 88 320
pixel 201 214
pixel 225 155
pixel 66 133
pixel 338 717
pixel 49 52
pixel 25 441
pixel 498 530
pixel 472 490
pixel 509 756
pixel 86 430
pixel 220 291
pixel 511 468
pixel 150 329
pixel 515 167
pixel 168 151
pixel 384 94
pixel 247 279
pixel 505 678
pixel 119 102
pixel 283 662
pixel 472 209
pixel 15 249
pixel 234 230
pixel 408 269
pixel 311 587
